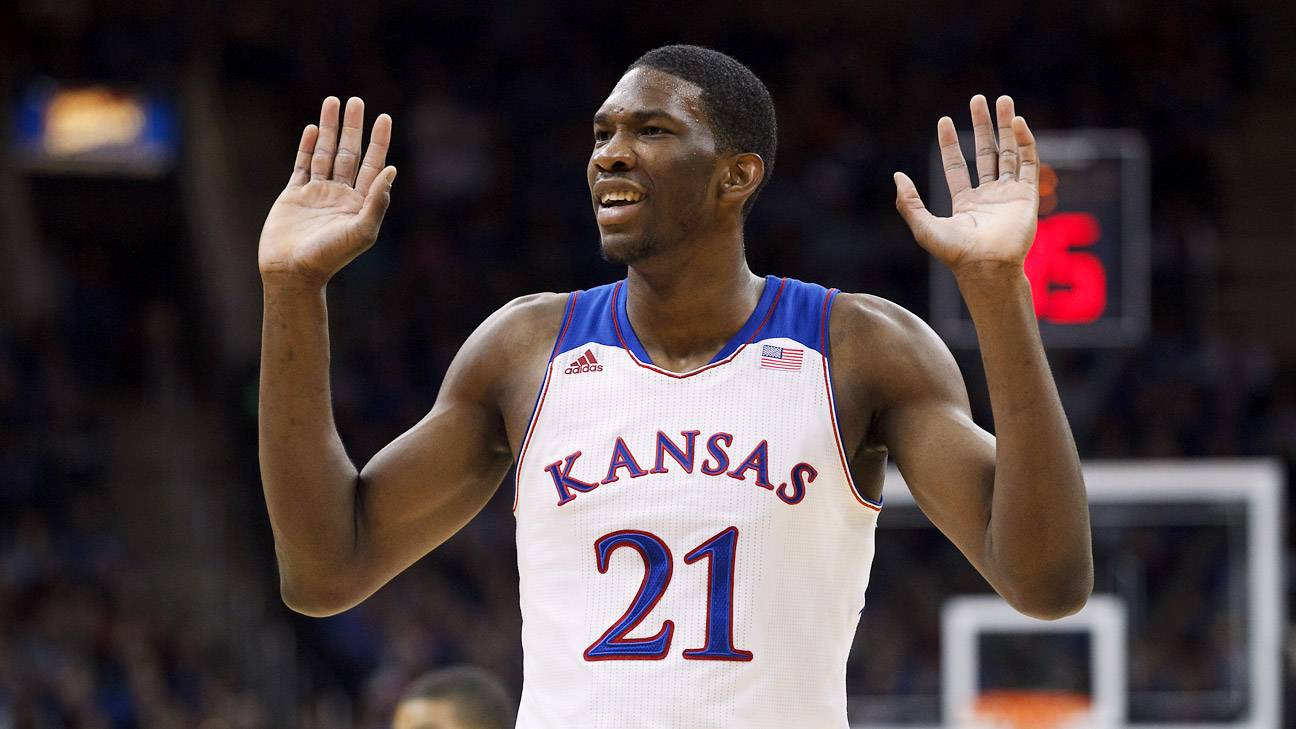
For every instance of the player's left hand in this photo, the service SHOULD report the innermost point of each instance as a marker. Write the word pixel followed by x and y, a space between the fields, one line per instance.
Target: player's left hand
pixel 993 224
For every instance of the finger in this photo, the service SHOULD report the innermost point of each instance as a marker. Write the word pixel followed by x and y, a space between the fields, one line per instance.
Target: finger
pixel 322 160
pixel 376 155
pixel 910 205
pixel 305 148
pixel 987 154
pixel 376 201
pixel 956 172
pixel 1007 141
pixel 347 159
pixel 1026 151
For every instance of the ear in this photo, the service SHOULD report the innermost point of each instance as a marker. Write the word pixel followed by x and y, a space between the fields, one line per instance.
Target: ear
pixel 742 174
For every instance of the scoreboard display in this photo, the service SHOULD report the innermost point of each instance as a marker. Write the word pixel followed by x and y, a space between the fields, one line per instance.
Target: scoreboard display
pixel 1088 266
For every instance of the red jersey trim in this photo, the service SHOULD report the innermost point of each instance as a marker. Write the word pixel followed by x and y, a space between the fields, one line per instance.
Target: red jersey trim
pixel 540 398
pixel 832 405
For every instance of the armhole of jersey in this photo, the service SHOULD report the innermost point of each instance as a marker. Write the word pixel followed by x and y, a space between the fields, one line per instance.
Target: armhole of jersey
pixel 824 340
pixel 544 388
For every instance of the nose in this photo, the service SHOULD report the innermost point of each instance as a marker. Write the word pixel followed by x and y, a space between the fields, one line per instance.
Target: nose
pixel 615 154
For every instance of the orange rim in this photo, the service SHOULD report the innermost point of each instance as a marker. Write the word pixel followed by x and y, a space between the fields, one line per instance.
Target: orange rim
pixel 1031 709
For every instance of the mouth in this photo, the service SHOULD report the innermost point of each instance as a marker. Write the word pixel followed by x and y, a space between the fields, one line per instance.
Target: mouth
pixel 618 206
pixel 620 197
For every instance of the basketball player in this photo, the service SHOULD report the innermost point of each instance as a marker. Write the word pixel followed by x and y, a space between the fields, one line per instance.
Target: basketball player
pixel 700 450
pixel 460 697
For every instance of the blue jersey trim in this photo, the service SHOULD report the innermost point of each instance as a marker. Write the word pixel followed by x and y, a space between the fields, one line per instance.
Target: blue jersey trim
pixel 754 322
pixel 591 321
pixel 572 298
pixel 799 315
pixel 628 336
pixel 787 309
pixel 773 284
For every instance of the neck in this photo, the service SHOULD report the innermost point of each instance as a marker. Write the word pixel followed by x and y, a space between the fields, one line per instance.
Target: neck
pixel 685 311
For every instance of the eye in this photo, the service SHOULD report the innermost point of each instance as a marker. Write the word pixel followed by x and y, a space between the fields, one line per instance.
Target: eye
pixel 653 131
pixel 602 135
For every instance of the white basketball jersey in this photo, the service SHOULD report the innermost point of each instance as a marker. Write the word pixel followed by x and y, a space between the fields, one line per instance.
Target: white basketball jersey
pixel 691 548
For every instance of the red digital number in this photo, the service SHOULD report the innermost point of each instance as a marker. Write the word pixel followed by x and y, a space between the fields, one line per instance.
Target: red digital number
pixel 1068 286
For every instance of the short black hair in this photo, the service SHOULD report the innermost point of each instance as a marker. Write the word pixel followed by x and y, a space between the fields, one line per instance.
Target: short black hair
pixel 738 105
pixel 478 696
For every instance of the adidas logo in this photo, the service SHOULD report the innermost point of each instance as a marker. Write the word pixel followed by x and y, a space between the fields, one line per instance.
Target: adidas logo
pixel 586 363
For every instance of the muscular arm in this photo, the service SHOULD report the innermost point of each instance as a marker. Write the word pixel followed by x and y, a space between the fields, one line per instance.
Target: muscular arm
pixel 339 533
pixel 1014 504
pixel 1038 536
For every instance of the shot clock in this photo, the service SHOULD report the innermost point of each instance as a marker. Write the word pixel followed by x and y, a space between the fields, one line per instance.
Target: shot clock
pixel 1088 266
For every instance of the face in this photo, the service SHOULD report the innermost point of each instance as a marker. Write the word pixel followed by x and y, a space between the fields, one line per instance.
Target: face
pixel 427 714
pixel 652 170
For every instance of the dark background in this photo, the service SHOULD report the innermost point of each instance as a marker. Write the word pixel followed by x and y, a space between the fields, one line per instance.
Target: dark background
pixel 137 583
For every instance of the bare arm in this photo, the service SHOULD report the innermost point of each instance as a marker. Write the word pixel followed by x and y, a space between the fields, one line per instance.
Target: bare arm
pixel 339 533
pixel 1015 504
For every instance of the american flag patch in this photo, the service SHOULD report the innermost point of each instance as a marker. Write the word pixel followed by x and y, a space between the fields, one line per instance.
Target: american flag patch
pixel 780 358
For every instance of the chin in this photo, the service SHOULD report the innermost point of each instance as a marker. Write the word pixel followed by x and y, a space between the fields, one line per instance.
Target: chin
pixel 624 250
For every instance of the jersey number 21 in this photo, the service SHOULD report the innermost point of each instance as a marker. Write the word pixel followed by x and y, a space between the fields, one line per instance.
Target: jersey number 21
pixel 718 551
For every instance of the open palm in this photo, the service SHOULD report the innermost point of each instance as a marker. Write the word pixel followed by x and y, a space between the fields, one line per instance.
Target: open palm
pixel 333 205
pixel 994 222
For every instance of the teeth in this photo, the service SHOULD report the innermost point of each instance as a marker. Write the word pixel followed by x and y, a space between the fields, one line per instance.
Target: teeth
pixel 621 196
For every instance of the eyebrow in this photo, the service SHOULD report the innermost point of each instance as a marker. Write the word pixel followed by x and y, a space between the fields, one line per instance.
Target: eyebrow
pixel 641 116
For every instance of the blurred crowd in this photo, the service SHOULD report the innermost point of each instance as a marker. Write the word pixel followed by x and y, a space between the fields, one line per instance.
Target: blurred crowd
pixel 85 640
pixel 491 105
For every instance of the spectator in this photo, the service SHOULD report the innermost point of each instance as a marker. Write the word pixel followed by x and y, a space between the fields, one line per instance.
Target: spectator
pixel 460 697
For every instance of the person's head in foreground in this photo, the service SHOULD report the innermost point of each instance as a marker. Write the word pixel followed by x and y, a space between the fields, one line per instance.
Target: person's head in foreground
pixel 682 146
pixel 461 697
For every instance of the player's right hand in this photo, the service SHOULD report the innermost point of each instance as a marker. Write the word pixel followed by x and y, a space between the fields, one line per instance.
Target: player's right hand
pixel 331 209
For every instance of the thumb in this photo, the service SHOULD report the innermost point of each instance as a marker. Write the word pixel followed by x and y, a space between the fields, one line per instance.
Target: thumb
pixel 376 200
pixel 910 203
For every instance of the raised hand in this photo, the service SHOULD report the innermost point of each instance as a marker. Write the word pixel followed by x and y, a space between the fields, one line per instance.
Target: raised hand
pixel 333 205
pixel 992 224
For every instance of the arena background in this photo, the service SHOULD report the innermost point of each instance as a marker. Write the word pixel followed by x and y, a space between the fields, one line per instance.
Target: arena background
pixel 137 578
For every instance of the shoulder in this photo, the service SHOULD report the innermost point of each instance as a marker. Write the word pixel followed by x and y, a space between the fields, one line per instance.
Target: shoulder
pixel 516 338
pixel 889 352
pixel 866 323
pixel 526 319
